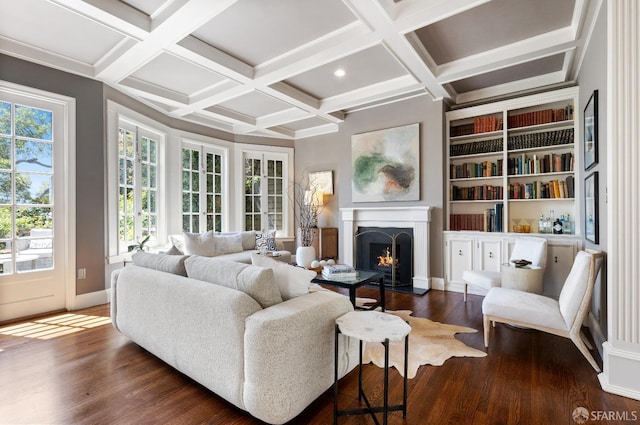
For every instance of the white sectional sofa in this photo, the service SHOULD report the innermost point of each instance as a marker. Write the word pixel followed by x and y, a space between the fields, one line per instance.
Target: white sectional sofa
pixel 232 246
pixel 225 325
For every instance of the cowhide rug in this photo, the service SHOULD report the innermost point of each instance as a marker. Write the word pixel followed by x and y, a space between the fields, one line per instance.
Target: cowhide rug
pixel 429 343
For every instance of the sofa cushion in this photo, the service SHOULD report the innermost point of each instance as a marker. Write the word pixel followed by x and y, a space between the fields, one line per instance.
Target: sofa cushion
pixel 257 282
pixel 266 241
pixel 199 244
pixel 162 262
pixel 292 281
pixel 227 244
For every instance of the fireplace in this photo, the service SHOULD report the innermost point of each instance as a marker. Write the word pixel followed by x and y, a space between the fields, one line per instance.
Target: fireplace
pixel 388 250
pixel 416 218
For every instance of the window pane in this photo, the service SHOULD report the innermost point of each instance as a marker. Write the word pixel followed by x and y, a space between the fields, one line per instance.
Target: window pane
pixel 271 171
pixel 33 188
pixel 33 123
pixel 5 222
pixel 278 168
pixel 130 171
pixel 218 168
pixel 129 142
pixel 5 153
pixel 195 224
pixel 195 182
pixel 153 176
pixel 153 151
pixel 145 175
pixel 195 160
pixel 195 202
pixel 209 183
pixel 218 186
pixel 186 180
pixel 209 168
pixel 186 220
pixel 186 158
pixel 5 188
pixel 186 203
pixel 32 218
pixel 33 156
pixel 5 118
pixel 144 149
pixel 257 167
pixel 210 203
pixel 218 204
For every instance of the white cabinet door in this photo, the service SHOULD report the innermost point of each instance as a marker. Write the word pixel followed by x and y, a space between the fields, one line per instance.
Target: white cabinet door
pixel 458 259
pixel 489 254
pixel 560 256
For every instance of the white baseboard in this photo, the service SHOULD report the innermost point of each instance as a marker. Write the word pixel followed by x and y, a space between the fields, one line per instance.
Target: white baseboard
pixel 621 373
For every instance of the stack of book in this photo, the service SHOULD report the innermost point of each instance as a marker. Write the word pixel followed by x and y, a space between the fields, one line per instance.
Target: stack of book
pixel 338 271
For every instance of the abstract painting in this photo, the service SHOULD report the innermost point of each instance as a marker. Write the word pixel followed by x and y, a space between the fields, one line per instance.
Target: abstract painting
pixel 386 165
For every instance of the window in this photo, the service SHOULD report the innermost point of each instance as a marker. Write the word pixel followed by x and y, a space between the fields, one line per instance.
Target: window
pixel 203 194
pixel 26 188
pixel 265 192
pixel 138 154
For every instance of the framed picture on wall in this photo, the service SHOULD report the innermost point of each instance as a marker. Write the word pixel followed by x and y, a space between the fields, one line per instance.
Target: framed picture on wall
pixel 591 226
pixel 590 131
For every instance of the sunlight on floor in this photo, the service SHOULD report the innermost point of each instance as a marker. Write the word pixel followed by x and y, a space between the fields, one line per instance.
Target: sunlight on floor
pixel 53 327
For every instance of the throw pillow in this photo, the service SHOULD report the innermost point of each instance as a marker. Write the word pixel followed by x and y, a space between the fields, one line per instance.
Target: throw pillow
pixel 257 282
pixel 266 241
pixel 177 241
pixel 172 251
pixel 227 244
pixel 162 262
pixel 199 244
pixel 292 281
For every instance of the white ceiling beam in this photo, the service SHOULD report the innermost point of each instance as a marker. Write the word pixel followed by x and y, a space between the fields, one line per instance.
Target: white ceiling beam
pixel 191 16
pixel 283 117
pixel 116 15
pixel 44 57
pixel 371 93
pixel 512 87
pixel 316 131
pixel 153 91
pixel 544 45
pixel 376 16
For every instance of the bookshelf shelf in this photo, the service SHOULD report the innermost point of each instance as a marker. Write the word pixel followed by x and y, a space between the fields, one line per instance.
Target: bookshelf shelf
pixel 526 145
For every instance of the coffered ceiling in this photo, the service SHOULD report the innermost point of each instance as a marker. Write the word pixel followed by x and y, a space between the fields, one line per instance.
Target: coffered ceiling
pixel 266 67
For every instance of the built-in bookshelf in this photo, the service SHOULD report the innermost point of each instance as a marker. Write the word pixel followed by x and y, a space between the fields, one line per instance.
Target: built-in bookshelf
pixel 513 161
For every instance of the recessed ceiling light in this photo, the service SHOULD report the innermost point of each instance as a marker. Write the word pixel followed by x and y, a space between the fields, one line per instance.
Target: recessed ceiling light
pixel 340 72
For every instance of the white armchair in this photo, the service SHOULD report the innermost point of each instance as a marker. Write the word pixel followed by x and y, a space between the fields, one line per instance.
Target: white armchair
pixel 562 317
pixel 528 248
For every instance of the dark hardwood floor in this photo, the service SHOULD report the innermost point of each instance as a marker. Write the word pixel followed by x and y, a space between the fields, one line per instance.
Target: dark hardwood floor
pixel 97 376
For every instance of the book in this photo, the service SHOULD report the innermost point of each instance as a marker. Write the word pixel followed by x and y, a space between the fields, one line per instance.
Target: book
pixel 338 269
pixel 339 275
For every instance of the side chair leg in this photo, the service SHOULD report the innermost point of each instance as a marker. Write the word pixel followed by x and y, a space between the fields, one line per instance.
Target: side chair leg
pixel 465 292
pixel 584 339
pixel 487 328
pixel 585 352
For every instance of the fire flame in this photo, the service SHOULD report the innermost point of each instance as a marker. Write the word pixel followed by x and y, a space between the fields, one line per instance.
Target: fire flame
pixel 386 260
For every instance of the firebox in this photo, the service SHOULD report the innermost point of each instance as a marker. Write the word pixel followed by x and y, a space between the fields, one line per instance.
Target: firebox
pixel 375 251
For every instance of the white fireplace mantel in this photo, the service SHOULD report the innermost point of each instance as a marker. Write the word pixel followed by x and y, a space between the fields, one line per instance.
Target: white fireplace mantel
pixel 416 218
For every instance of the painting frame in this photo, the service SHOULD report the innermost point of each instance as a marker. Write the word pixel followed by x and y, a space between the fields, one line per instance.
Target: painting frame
pixel 386 164
pixel 322 181
pixel 591 216
pixel 590 131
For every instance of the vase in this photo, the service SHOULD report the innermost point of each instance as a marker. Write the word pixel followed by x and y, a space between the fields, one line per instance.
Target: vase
pixel 305 255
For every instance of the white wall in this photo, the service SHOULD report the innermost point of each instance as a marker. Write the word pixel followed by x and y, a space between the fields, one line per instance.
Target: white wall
pixel 333 152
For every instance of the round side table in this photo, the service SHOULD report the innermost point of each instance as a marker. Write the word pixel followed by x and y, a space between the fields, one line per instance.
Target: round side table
pixel 527 278
pixel 372 326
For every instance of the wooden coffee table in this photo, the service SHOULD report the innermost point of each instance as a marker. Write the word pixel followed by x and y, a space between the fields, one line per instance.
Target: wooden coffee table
pixel 352 283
